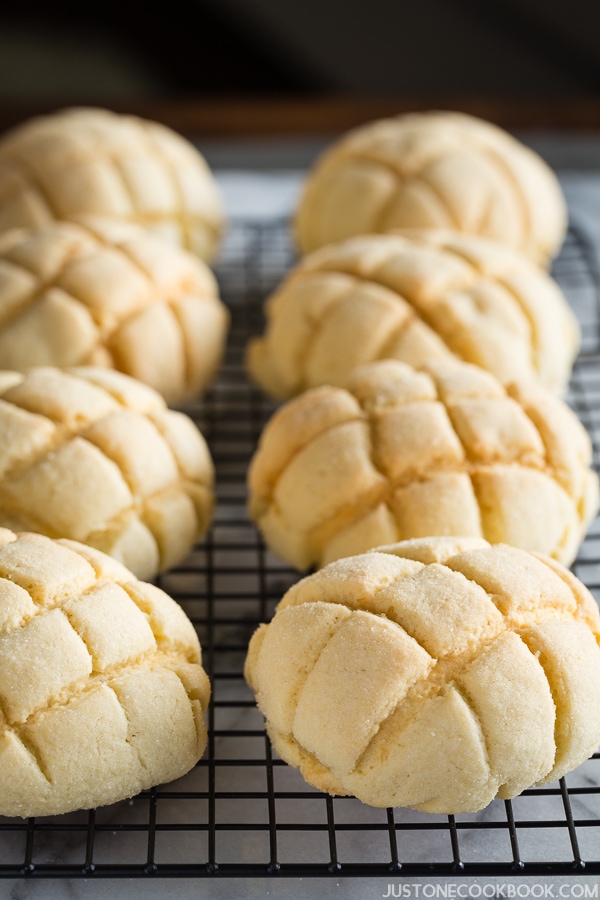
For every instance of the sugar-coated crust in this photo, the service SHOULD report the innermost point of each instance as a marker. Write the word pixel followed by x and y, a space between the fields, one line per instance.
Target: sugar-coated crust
pixel 402 453
pixel 92 161
pixel 102 691
pixel 95 456
pixel 417 296
pixel 436 673
pixel 433 170
pixel 104 292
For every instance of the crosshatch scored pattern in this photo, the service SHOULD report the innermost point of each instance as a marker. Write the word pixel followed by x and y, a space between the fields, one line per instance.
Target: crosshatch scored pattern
pixel 241 811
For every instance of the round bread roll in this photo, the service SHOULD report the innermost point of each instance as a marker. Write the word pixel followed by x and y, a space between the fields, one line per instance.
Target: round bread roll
pixel 433 170
pixel 435 674
pixel 102 692
pixel 87 160
pixel 403 454
pixel 418 297
pixel 106 293
pixel 92 455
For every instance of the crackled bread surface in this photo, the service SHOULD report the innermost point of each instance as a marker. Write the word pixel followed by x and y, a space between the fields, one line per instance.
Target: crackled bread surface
pixel 433 170
pixel 404 453
pixel 102 691
pixel 100 292
pixel 436 674
pixel 414 297
pixel 95 456
pixel 88 160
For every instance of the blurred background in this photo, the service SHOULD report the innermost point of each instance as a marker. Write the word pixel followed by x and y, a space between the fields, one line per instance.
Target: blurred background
pixel 304 64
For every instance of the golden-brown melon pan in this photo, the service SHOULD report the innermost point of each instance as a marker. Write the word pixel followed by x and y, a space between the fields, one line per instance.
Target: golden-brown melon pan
pixel 99 292
pixel 102 692
pixel 402 453
pixel 433 170
pixel 415 297
pixel 93 161
pixel 93 455
pixel 436 674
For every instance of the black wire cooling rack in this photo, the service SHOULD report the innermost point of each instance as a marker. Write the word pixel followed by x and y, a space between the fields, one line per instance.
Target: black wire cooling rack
pixel 241 811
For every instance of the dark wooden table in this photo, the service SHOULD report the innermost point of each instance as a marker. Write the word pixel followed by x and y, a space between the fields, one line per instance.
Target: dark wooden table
pixel 231 117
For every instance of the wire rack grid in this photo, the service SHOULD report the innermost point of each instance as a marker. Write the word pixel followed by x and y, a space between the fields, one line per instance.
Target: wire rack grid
pixel 242 812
